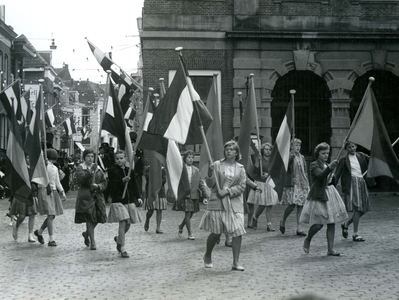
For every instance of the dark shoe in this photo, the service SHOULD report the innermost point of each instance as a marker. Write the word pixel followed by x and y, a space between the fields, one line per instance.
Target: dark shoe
pixel 254 223
pixel 270 228
pixel 118 246
pixel 249 225
pixel 180 231
pixel 52 244
pixel 306 246
pixel 333 253
pixel 357 238
pixel 146 224
pixel 93 247
pixel 159 231
pixel 124 254
pixel 39 237
pixel 86 237
pixel 344 230
pixel 237 268
pixel 301 233
pixel 282 228
pixel 228 244
pixel 218 241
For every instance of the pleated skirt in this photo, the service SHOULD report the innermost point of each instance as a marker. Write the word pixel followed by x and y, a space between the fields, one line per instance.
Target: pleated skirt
pixel 221 221
pixel 160 203
pixel 21 208
pixel 266 196
pixel 324 212
pixel 358 199
pixel 50 205
pixel 121 212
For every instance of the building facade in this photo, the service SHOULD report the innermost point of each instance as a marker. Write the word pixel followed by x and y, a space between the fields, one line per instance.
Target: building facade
pixel 324 50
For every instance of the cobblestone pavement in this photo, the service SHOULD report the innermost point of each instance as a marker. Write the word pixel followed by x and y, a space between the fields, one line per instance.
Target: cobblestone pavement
pixel 164 266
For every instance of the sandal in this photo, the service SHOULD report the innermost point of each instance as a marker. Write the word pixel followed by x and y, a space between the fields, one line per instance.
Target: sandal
pixel 86 237
pixel 357 238
pixel 344 230
pixel 124 254
pixel 180 231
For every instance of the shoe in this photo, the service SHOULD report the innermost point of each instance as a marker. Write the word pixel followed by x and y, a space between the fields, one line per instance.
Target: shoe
pixel 306 246
pixel 357 238
pixel 93 247
pixel 210 265
pixel 39 237
pixel 270 228
pixel 86 237
pixel 52 244
pixel 118 246
pixel 124 254
pixel 237 268
pixel 228 244
pixel 301 233
pixel 31 240
pixel 249 226
pixel 190 237
pixel 333 253
pixel 218 241
pixel 254 223
pixel 344 230
pixel 282 228
pixel 14 231
pixel 146 224
pixel 159 231
pixel 180 231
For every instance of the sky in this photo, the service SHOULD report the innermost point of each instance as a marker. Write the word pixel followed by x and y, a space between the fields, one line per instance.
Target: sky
pixel 109 25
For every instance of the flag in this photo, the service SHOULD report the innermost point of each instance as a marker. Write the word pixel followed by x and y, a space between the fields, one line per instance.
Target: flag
pixel 10 98
pixel 17 176
pixel 281 152
pixel 154 176
pixel 114 123
pixel 26 108
pixel 178 117
pixel 124 94
pixel 49 117
pixel 214 134
pixel 69 125
pixel 162 90
pixel 248 123
pixel 38 170
pixel 167 152
pixel 85 132
pixel 368 130
pixel 118 75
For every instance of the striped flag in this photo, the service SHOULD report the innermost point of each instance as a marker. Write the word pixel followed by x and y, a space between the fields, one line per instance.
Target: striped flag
pixel 26 108
pixel 178 117
pixel 281 152
pixel 49 117
pixel 17 176
pixel 10 98
pixel 69 125
pixel 368 130
pixel 38 170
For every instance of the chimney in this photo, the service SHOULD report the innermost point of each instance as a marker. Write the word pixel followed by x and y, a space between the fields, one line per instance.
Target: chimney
pixel 3 13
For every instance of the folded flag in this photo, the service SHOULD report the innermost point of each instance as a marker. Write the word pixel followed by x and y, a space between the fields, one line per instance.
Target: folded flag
pixel 49 118
pixel 69 125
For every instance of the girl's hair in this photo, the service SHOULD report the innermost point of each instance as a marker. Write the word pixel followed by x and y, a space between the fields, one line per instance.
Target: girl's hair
pixel 347 143
pixel 264 145
pixel 87 151
pixel 120 152
pixel 320 147
pixel 186 154
pixel 296 141
pixel 235 146
pixel 52 154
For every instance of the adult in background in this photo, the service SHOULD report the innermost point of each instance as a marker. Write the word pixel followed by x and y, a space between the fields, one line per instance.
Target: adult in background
pixel 356 197
pixel 190 204
pixel 123 209
pixel 90 203
pixel 225 209
pixel 296 187
pixel 324 204
pixel 105 161
pixel 263 194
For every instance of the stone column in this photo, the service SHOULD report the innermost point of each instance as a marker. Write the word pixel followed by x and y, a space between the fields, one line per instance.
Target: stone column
pixel 340 124
pixel 266 120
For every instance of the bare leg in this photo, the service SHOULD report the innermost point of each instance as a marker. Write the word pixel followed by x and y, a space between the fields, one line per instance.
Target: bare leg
pixel 287 212
pixel 298 216
pixel 315 228
pixel 90 231
pixel 356 218
pixel 187 221
pixel 159 219
pixel 121 234
pixel 330 237
pixel 269 214
pixel 210 244
pixel 250 214
pixel 31 225
pixel 236 249
pixel 16 225
pixel 259 211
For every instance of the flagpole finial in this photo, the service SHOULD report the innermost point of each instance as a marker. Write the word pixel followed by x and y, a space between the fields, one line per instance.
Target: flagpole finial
pixel 251 75
pixel 161 79
pixel 371 79
pixel 292 92
pixel 239 94
pixel 151 89
pixel 179 49
pixel 108 71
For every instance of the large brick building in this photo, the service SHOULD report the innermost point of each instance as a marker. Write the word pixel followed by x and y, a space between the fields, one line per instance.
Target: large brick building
pixel 326 50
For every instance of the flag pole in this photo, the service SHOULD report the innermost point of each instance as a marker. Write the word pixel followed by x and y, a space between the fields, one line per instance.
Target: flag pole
pixel 162 89
pixel 241 108
pixel 43 120
pixel 293 92
pixel 201 127
pixel 251 77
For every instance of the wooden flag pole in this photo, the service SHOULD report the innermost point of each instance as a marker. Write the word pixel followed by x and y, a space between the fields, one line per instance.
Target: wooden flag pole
pixel 205 142
pixel 43 120
pixel 241 108
pixel 293 92
pixel 251 77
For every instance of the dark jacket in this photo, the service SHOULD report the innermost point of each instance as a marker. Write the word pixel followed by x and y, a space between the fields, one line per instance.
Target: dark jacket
pixel 319 175
pixel 116 185
pixel 343 171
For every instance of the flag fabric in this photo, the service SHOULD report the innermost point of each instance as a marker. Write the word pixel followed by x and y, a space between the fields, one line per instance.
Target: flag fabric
pixel 17 176
pixel 38 170
pixel 154 176
pixel 114 123
pixel 10 98
pixel 69 125
pixel 26 108
pixel 118 75
pixel 281 153
pixel 49 117
pixel 166 151
pixel 178 117
pixel 85 132
pixel 368 130
pixel 162 90
pixel 248 123
pixel 214 134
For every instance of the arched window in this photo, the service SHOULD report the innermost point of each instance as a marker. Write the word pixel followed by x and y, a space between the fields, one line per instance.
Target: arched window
pixel 312 108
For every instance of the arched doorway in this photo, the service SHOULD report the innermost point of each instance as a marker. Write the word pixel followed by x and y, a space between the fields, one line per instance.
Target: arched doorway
pixel 386 91
pixel 312 108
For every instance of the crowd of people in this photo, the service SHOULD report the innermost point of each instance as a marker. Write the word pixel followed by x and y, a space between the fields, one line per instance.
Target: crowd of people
pixel 108 178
